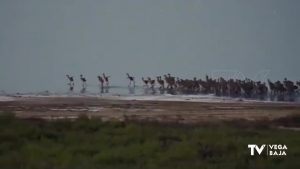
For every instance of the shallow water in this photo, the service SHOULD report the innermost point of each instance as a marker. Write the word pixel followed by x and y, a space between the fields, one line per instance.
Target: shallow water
pixel 143 93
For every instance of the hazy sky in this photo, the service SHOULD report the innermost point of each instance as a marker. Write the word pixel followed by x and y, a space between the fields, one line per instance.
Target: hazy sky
pixel 42 40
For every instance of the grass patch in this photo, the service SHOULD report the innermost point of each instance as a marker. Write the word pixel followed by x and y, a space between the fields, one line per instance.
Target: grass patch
pixel 91 143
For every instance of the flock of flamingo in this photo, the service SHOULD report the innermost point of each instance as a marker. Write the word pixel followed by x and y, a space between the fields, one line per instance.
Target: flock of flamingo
pixel 219 86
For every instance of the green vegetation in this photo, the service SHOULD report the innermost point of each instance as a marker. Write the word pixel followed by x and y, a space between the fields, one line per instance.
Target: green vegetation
pixel 88 144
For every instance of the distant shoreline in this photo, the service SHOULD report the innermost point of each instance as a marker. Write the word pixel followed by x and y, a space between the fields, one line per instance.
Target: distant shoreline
pixel 204 98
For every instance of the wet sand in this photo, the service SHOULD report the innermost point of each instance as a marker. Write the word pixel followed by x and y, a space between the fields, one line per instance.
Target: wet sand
pixel 186 112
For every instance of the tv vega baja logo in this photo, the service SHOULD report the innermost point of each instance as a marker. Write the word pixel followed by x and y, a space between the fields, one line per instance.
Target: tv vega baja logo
pixel 269 149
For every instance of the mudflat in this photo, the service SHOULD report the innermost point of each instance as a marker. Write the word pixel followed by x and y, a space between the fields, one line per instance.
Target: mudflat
pixel 51 108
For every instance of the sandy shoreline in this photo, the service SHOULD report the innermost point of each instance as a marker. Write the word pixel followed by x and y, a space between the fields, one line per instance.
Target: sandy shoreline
pixel 145 110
